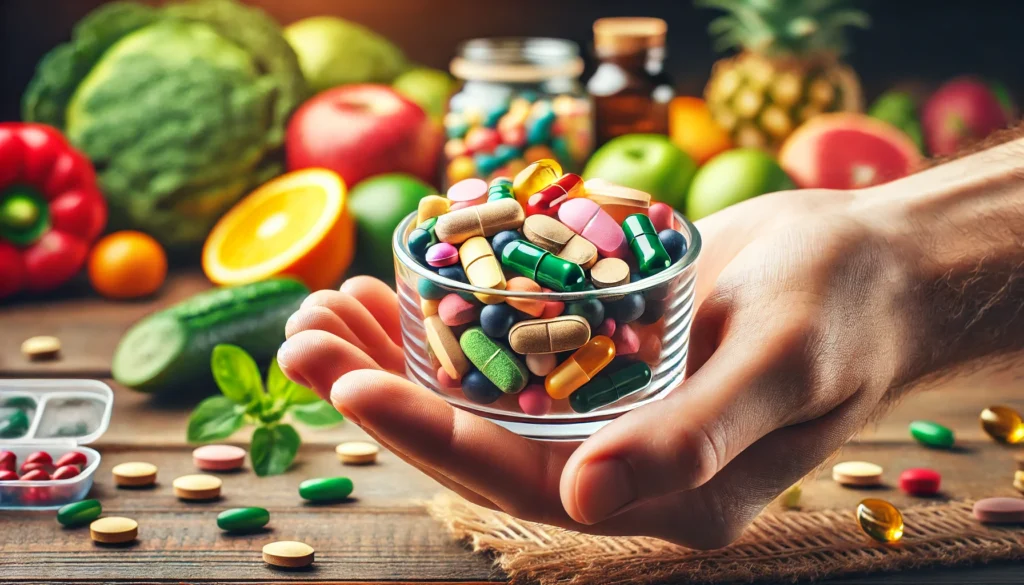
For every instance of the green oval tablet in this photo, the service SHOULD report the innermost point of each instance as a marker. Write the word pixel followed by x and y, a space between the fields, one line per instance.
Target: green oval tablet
pixel 496 362
pixel 932 434
pixel 243 519
pixel 79 513
pixel 325 489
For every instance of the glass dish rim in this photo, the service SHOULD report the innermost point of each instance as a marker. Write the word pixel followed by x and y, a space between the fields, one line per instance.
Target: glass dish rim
pixel 401 250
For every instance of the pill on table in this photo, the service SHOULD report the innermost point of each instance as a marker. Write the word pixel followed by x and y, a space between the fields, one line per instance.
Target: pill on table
pixel 79 513
pixel 442 254
pixel 114 530
pixel 1018 481
pixel 422 238
pixel 288 554
pixel 446 347
pixel 325 489
pixel 134 474
pixel 555 237
pixel 498 364
pixel 243 519
pixel 880 520
pixel 468 191
pixel 608 387
pixel 532 307
pixel 218 457
pixel 791 497
pixel 8 460
pixel 643 240
pixel 486 220
pixel 674 244
pixel 357 452
pixel 534 400
pixel 932 434
pixel 1000 510
pixel 541 364
pixel 663 217
pixel 548 200
pixel 535 177
pixel 455 310
pixel 66 472
pixel 627 342
pixel 587 219
pixel 920 481
pixel 35 475
pixel 71 458
pixel 41 347
pixel 609 272
pixel 564 333
pixel 482 268
pixel 1003 424
pixel 478 389
pixel 431 206
pixel 580 368
pixel 197 487
pixel 618 201
pixel 543 267
pixel 857 474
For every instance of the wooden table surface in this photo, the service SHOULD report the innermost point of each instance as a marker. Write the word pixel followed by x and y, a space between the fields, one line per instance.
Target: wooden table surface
pixel 383 534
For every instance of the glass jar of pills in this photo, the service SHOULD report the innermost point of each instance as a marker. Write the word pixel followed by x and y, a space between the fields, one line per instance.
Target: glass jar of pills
pixel 549 346
pixel 521 101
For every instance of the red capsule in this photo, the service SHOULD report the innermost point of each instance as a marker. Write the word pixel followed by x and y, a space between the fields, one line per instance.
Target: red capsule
pixel 550 198
pixel 920 481
pixel 35 475
pixel 29 466
pixel 8 460
pixel 8 475
pixel 72 458
pixel 66 472
pixel 40 457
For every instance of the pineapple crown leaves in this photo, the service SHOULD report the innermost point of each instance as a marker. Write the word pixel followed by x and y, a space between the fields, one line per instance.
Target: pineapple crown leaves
pixel 784 27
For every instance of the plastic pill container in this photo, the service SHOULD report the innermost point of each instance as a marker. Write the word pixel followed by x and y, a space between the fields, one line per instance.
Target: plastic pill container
pixel 521 101
pixel 566 411
pixel 62 416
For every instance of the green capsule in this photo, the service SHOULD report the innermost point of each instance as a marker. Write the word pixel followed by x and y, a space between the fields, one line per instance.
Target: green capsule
pixel 325 489
pixel 422 238
pixel 79 513
pixel 501 190
pixel 932 434
pixel 243 519
pixel 607 387
pixel 494 361
pixel 543 267
pixel 14 425
pixel 643 240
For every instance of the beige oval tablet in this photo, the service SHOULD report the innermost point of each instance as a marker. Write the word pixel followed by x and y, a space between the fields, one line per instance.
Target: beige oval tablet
pixel 134 474
pixel 609 272
pixel 357 452
pixel 41 347
pixel 580 251
pixel 446 347
pixel 547 232
pixel 857 473
pixel 564 333
pixel 114 529
pixel 197 487
pixel 288 553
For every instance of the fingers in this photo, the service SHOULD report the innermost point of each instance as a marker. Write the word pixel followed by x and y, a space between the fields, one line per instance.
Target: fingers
pixel 380 300
pixel 316 359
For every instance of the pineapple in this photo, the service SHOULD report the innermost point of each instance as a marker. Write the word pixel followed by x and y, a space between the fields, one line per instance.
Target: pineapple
pixel 789 70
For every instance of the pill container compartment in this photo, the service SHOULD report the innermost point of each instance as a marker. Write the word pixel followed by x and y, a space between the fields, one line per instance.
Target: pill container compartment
pixel 62 415
pixel 663 340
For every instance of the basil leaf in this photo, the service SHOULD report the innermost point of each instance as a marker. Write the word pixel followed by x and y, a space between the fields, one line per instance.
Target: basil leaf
pixel 215 418
pixel 236 373
pixel 273 449
pixel 279 386
pixel 318 414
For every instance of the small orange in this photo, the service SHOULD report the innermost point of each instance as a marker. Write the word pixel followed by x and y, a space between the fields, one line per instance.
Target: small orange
pixel 296 225
pixel 693 130
pixel 127 265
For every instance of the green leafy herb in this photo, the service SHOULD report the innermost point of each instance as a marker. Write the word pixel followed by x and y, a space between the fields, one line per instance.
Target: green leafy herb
pixel 244 401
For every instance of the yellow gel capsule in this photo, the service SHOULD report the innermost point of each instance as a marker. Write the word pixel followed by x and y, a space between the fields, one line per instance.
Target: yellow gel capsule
pixel 1003 424
pixel 880 520
pixel 431 206
pixel 534 178
pixel 581 366
pixel 482 268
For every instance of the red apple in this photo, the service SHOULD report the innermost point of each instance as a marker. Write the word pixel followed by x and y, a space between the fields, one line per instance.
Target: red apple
pixel 363 130
pixel 963 110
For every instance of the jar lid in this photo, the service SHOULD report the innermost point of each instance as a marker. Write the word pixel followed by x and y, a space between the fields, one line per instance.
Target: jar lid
pixel 624 35
pixel 517 60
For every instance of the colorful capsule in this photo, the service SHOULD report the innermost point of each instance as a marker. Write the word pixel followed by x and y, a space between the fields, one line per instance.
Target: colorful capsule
pixel 431 206
pixel 880 520
pixel 548 200
pixel 543 267
pixel 564 333
pixel 1003 424
pixel 580 368
pixel 480 220
pixel 498 364
pixel 587 219
pixel 606 388
pixel 422 238
pixel 535 177
pixel 647 248
pixel 555 237
pixel 501 188
pixel 482 268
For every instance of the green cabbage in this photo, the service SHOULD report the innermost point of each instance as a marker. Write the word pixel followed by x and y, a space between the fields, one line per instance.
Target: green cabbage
pixel 182 109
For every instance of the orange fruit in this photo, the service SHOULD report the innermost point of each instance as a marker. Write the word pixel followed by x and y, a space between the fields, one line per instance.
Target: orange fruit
pixel 127 265
pixel 694 131
pixel 295 225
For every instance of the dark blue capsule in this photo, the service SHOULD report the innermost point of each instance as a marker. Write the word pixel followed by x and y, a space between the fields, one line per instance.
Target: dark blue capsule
pixel 497 320
pixel 590 309
pixel 674 243
pixel 627 309
pixel 478 389
pixel 502 239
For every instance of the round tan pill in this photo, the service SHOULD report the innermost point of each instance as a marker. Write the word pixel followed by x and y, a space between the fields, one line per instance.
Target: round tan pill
pixel 134 474
pixel 114 530
pixel 609 272
pixel 357 452
pixel 197 487
pixel 857 473
pixel 41 347
pixel 288 553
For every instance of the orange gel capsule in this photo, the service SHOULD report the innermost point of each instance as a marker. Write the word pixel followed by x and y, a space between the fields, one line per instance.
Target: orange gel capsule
pixel 581 366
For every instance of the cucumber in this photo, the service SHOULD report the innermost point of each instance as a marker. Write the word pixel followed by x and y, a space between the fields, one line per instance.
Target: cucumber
pixel 171 348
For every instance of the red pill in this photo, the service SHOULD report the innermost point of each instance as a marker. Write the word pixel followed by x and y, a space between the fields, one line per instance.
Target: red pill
pixel 39 457
pixel 8 460
pixel 920 481
pixel 8 475
pixel 66 472
pixel 72 458
pixel 36 475
pixel 550 198
pixel 27 467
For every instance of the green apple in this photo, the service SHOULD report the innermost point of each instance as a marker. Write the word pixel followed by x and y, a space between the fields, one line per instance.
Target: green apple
pixel 378 205
pixel 333 51
pixel 429 88
pixel 734 176
pixel 648 162
pixel 899 109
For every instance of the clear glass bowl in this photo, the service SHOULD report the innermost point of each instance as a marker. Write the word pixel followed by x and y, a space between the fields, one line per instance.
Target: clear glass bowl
pixel 663 345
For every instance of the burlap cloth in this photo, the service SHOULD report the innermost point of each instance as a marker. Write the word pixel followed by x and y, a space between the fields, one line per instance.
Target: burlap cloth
pixel 780 546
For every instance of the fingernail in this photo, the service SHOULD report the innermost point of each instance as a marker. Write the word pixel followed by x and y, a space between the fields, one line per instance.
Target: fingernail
pixel 283 357
pixel 602 488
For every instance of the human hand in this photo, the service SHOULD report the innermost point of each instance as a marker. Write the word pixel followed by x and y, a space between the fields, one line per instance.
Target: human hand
pixel 797 341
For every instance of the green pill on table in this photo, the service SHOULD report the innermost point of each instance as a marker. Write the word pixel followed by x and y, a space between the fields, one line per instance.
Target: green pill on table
pixel 650 253
pixel 14 425
pixel 326 489
pixel 494 361
pixel 932 434
pixel 543 267
pixel 244 519
pixel 607 387
pixel 79 513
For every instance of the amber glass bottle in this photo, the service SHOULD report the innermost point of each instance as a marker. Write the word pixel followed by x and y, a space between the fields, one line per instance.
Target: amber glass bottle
pixel 630 88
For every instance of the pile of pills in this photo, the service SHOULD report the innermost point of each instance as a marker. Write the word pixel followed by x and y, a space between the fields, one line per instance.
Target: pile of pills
pixel 41 347
pixel 544 231
pixel 40 466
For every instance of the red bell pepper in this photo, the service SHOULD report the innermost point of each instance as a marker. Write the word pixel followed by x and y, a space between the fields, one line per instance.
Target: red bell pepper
pixel 51 208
